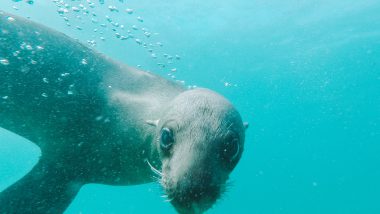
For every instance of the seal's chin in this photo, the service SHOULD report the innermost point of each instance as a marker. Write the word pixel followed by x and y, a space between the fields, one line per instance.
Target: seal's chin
pixel 193 199
pixel 189 207
pixel 194 208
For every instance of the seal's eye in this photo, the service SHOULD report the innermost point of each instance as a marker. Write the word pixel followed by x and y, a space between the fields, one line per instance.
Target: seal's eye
pixel 167 138
pixel 231 150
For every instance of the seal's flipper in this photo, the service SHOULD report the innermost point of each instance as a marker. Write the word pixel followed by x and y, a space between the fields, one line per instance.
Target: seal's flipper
pixel 45 189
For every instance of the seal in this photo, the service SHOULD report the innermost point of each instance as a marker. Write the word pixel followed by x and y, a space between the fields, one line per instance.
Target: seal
pixel 100 121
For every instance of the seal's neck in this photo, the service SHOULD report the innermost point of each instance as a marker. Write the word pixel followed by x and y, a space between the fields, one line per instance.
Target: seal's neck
pixel 141 92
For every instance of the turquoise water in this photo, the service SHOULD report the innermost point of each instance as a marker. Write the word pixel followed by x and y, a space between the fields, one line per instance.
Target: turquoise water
pixel 304 74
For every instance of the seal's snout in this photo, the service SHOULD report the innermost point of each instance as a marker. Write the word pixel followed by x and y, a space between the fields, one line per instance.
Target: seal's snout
pixel 194 191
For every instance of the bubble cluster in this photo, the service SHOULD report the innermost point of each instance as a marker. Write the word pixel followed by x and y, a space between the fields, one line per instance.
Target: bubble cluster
pixel 104 21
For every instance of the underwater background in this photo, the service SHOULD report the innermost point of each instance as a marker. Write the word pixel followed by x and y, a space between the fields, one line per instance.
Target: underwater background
pixel 305 74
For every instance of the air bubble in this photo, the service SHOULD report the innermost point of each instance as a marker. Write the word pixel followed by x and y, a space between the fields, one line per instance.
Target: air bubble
pixel 44 95
pixel 113 8
pixel 75 9
pixel 129 10
pixel 138 41
pixel 162 65
pixel 62 10
pixel 139 19
pixel 11 19
pixel 108 19
pixel 16 53
pixel 29 1
pixel 28 47
pixel 91 43
pixel 181 81
pixel 65 74
pixel 4 62
pixel 84 62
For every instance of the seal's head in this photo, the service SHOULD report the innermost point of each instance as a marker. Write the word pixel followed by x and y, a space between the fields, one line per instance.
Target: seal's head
pixel 199 139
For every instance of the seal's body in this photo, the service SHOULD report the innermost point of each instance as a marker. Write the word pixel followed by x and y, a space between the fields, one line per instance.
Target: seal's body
pixel 99 121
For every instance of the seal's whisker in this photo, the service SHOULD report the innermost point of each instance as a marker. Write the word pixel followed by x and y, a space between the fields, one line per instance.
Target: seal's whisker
pixel 156 179
pixel 155 176
pixel 169 200
pixel 229 183
pixel 158 172
pixel 224 188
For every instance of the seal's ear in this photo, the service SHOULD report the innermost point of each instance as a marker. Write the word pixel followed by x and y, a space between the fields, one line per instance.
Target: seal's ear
pixel 152 122
pixel 246 125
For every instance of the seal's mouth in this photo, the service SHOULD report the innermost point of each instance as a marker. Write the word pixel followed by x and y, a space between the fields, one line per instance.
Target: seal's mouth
pixel 189 196
pixel 192 200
